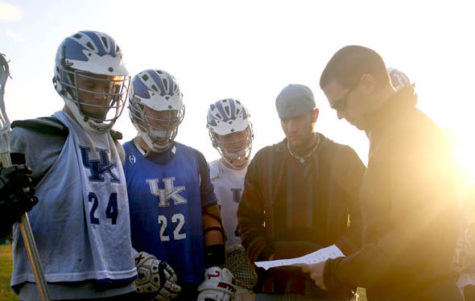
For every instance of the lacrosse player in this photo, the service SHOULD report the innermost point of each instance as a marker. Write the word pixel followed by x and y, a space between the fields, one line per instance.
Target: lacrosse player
pixel 230 130
pixel 175 218
pixel 81 224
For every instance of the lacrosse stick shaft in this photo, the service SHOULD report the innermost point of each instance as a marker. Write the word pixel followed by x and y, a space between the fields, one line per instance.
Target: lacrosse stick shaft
pixel 25 227
pixel 33 256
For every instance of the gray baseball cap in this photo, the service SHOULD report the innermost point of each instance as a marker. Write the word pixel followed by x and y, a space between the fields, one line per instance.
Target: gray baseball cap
pixel 294 100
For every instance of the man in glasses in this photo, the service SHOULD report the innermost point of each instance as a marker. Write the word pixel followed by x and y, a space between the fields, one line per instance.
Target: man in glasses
pixel 300 195
pixel 408 195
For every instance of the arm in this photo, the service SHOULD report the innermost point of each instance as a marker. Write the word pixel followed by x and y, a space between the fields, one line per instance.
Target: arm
pixel 353 171
pixel 17 195
pixel 349 174
pixel 17 182
pixel 251 216
pixel 411 216
pixel 211 217
pixel 218 282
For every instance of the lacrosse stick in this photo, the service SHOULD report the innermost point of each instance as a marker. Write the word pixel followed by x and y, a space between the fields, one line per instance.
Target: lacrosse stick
pixel 241 268
pixel 25 227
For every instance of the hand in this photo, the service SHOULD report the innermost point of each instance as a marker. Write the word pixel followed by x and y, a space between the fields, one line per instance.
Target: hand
pixel 155 276
pixel 17 191
pixel 316 273
pixel 219 285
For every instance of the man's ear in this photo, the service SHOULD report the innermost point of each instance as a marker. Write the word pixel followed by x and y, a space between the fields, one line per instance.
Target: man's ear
pixel 316 111
pixel 368 83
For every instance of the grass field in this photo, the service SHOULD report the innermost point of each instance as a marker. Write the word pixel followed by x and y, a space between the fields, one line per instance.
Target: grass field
pixel 6 293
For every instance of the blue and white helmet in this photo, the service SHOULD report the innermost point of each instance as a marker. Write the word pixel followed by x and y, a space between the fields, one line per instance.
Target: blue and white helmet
pixel 225 117
pixel 159 91
pixel 87 54
pixel 398 78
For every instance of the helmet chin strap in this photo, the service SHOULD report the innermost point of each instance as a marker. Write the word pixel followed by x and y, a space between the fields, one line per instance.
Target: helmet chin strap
pixel 236 160
pixel 86 122
pixel 235 165
pixel 150 145
pixel 153 147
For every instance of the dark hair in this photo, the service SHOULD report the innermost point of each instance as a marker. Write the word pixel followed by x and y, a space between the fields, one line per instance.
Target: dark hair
pixel 349 63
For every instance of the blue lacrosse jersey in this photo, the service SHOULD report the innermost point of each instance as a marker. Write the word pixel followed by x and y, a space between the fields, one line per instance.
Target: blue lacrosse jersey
pixel 166 195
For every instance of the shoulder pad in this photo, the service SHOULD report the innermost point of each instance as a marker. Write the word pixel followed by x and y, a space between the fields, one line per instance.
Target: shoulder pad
pixel 43 125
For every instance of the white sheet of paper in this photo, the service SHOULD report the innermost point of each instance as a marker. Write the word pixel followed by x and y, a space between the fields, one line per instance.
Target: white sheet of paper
pixel 318 256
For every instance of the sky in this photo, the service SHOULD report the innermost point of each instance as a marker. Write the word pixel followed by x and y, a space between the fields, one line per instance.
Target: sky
pixel 249 50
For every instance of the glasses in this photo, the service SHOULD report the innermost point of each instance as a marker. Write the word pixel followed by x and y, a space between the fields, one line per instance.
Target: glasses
pixel 340 104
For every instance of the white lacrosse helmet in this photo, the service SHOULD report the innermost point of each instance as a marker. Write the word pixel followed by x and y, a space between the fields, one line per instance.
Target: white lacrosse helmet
pixel 226 117
pixel 158 91
pixel 398 78
pixel 95 57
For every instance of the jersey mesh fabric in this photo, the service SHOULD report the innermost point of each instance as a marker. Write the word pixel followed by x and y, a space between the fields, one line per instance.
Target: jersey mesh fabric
pixel 228 185
pixel 96 244
pixel 166 199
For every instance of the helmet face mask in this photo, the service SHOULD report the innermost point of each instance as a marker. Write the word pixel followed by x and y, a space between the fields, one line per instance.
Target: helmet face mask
pixel 92 80
pixel 398 78
pixel 156 108
pixel 230 130
pixel 157 128
pixel 234 148
pixel 100 97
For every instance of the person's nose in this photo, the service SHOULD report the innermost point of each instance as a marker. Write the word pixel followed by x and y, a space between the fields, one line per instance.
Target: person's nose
pixel 292 126
pixel 340 114
pixel 102 92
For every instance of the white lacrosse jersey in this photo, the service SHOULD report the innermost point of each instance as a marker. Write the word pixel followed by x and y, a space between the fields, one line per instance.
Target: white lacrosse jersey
pixel 81 223
pixel 228 187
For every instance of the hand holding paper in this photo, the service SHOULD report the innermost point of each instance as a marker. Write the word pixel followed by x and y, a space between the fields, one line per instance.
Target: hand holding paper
pixel 313 263
pixel 315 272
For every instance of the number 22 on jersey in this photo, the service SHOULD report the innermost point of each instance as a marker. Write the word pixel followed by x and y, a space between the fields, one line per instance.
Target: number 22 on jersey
pixel 177 222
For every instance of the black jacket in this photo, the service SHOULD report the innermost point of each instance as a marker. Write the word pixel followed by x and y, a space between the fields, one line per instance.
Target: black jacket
pixel 270 209
pixel 409 207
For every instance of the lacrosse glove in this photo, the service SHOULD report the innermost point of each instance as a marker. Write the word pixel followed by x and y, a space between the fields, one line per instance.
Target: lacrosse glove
pixel 17 194
pixel 219 285
pixel 155 277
